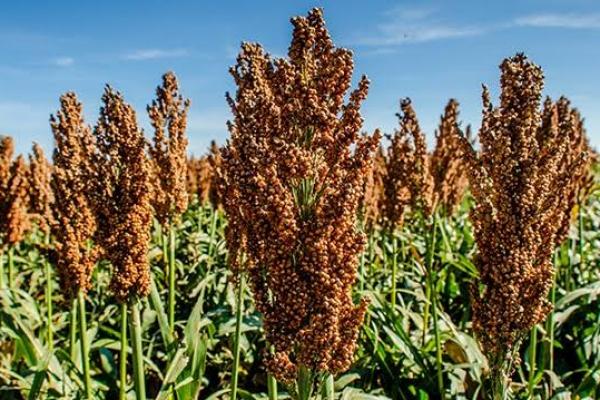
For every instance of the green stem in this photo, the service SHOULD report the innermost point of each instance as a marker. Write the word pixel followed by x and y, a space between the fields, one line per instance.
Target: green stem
pixel 73 330
pixel 50 328
pixel 532 359
pixel 328 392
pixel 138 356
pixel 438 348
pixel 236 340
pixel 172 274
pixel 11 267
pixel 123 354
pixel 580 234
pixel 271 387
pixel 85 349
pixel 304 383
pixel 551 328
pixel 394 271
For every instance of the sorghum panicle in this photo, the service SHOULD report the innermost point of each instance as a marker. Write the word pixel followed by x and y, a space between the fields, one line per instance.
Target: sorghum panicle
pixel 560 117
pixel 168 116
pixel 371 202
pixel 518 186
pixel 74 221
pixel 407 181
pixel 448 168
pixel 292 174
pixel 15 216
pixel 123 201
pixel 41 197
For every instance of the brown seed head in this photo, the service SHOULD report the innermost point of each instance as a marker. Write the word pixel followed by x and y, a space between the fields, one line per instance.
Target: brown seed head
pixel 518 186
pixel 123 205
pixel 292 174
pixel 72 178
pixel 15 217
pixel 448 168
pixel 168 116
pixel 41 197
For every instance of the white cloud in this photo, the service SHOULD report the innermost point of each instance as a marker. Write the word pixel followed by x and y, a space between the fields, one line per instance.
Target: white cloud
pixel 153 54
pixel 415 25
pixel 63 61
pixel 571 21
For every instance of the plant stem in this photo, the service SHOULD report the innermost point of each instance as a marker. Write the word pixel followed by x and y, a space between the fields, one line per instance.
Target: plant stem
pixel 394 271
pixel 272 387
pixel 172 273
pixel 580 234
pixel 85 349
pixel 138 356
pixel 532 359
pixel 11 266
pixel 428 275
pixel 328 392
pixel 73 330
pixel 305 383
pixel 50 328
pixel 123 354
pixel 236 340
pixel 438 348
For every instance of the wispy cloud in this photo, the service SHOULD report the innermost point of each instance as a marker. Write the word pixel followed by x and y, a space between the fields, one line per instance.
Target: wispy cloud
pixel 63 61
pixel 570 21
pixel 153 54
pixel 415 26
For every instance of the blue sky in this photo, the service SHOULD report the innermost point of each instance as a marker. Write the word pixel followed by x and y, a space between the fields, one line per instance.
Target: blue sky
pixel 427 50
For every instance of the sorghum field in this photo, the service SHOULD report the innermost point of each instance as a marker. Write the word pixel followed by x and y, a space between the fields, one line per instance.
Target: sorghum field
pixel 304 259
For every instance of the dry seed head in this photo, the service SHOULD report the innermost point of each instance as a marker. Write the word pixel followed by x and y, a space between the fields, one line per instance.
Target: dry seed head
pixel 15 218
pixel 372 200
pixel 517 183
pixel 123 205
pixel 291 178
pixel 560 118
pixel 408 181
pixel 41 197
pixel 168 116
pixel 202 175
pixel 74 221
pixel 448 168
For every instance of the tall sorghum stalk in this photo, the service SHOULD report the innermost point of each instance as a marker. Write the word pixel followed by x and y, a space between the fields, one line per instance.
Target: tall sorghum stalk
pixel 520 189
pixel 41 200
pixel 74 221
pixel 168 116
pixel 292 175
pixel 123 354
pixel 239 304
pixel 15 216
pixel 123 205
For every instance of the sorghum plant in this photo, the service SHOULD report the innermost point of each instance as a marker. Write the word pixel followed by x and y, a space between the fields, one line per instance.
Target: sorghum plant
pixel 293 171
pixel 372 198
pixel 125 213
pixel 41 197
pixel 41 201
pixel 15 220
pixel 74 217
pixel 168 116
pixel 407 181
pixel 519 187
pixel 447 166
